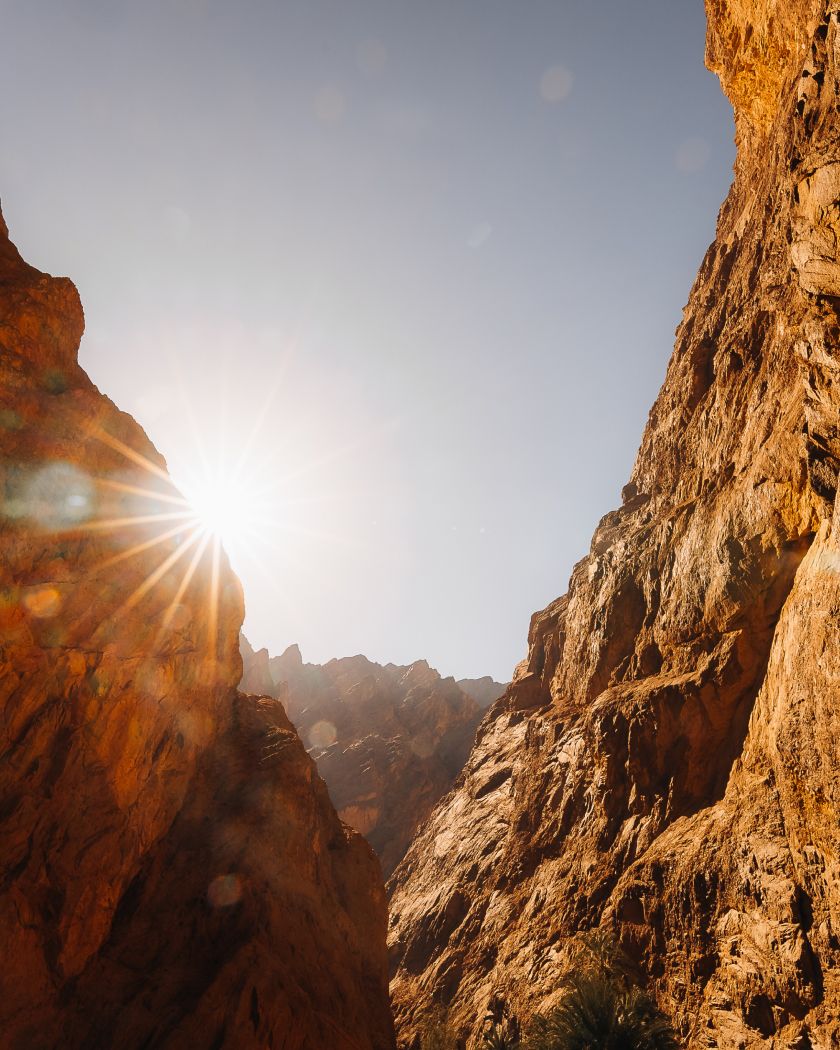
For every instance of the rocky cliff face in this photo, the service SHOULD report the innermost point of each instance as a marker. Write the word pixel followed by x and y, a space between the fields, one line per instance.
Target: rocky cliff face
pixel 256 674
pixel 665 764
pixel 389 741
pixel 171 870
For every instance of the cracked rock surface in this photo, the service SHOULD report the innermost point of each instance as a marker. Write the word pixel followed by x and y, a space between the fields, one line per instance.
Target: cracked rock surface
pixel 665 764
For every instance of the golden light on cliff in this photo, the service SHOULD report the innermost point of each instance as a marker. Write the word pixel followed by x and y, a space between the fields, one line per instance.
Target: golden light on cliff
pixel 134 514
pixel 225 506
pixel 161 551
pixel 189 533
pixel 223 503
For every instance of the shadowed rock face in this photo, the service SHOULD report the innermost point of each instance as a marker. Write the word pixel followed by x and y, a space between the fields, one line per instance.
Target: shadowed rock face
pixel 256 674
pixel 389 741
pixel 665 763
pixel 171 870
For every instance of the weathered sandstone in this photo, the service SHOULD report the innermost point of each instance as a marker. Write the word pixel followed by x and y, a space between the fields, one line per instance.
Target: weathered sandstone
pixel 665 764
pixel 172 873
pixel 389 741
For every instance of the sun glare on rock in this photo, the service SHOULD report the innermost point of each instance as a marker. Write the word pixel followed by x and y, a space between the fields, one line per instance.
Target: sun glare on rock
pixel 234 502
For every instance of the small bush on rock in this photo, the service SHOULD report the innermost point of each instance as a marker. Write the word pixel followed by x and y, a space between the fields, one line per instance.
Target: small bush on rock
pixel 501 1028
pixel 602 1009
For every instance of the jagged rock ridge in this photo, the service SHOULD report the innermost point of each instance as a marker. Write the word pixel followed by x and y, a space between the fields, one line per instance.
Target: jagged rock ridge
pixel 172 873
pixel 389 740
pixel 485 691
pixel 665 763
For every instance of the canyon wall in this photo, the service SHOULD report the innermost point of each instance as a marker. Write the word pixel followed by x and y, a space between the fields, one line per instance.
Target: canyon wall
pixel 172 873
pixel 389 741
pixel 665 764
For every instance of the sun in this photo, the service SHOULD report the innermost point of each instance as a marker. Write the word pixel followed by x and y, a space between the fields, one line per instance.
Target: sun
pixel 224 507
pixel 239 503
pixel 186 525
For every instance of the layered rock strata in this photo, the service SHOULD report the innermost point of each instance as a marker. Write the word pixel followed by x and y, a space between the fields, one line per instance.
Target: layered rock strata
pixel 172 873
pixel 389 740
pixel 665 764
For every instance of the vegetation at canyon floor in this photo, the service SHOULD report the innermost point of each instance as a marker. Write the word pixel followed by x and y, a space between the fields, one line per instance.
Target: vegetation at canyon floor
pixel 602 1007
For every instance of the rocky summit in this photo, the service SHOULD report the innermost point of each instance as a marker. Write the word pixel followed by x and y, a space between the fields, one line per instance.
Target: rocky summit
pixel 172 873
pixel 665 765
pixel 389 741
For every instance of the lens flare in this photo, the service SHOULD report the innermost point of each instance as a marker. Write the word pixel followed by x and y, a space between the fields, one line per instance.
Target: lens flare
pixel 42 602
pixel 224 891
pixel 322 734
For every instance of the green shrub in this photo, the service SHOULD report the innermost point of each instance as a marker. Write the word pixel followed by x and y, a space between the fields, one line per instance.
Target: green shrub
pixel 597 1013
pixel 602 1008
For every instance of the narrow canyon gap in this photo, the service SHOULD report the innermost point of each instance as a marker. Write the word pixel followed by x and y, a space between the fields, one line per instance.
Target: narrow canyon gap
pixel 389 741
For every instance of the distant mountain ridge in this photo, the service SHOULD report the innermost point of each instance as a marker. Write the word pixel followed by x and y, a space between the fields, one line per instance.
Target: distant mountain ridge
pixel 485 691
pixel 389 740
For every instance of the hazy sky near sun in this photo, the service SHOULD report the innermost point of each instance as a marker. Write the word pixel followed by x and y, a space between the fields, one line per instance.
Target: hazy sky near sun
pixel 427 257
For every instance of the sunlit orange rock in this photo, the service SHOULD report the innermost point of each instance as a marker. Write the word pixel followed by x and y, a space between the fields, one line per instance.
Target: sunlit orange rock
pixel 172 873
pixel 666 763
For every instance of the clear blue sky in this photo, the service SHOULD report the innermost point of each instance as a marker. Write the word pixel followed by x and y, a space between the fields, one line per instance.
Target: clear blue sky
pixel 428 256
